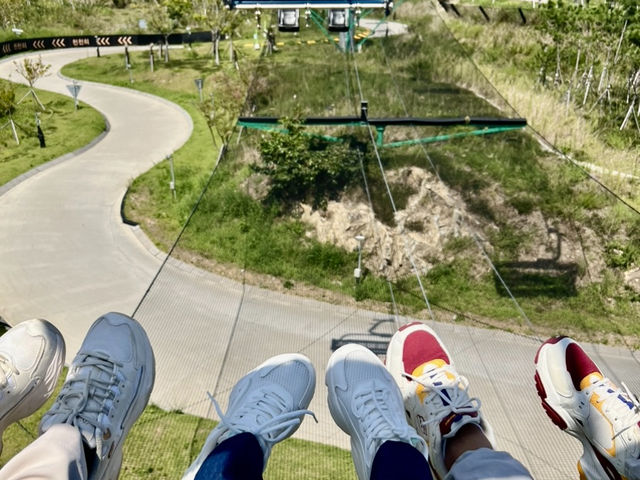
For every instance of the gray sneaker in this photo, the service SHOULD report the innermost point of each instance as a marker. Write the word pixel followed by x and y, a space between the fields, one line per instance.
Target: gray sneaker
pixel 270 402
pixel 31 357
pixel 107 388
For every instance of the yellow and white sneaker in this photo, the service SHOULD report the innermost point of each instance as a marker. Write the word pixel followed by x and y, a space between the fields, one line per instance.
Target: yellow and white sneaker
pixel 585 404
pixel 436 398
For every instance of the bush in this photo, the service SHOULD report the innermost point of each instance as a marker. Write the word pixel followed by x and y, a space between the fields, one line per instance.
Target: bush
pixel 305 168
pixel 622 256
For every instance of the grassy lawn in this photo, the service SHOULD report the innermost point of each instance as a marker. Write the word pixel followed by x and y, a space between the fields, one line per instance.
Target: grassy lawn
pixel 64 128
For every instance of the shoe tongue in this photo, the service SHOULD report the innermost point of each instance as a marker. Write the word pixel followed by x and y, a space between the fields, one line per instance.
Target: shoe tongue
pixel 96 379
pixel 425 368
pixel 590 379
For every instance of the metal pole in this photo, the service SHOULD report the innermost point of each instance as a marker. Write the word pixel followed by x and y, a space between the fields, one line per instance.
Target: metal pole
pixel 357 273
pixel 172 183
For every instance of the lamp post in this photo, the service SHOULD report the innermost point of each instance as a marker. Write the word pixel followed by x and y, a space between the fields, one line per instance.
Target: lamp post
pixel 357 273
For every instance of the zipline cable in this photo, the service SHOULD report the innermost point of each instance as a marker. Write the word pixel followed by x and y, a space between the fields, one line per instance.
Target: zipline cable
pixel 435 171
pixel 497 391
pixel 390 195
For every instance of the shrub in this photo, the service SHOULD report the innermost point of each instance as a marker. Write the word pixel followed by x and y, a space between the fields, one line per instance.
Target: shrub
pixel 305 168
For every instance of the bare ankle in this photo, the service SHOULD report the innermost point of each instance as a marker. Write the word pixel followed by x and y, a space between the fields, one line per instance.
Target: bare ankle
pixel 469 437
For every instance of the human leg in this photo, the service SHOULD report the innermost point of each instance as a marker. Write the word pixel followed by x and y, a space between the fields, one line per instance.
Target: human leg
pixel 31 358
pixel 365 403
pixel 438 405
pixel 266 406
pixel 582 402
pixel 107 388
pixel 58 454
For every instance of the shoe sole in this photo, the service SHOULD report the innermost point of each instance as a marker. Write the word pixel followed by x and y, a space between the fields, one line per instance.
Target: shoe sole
pixel 42 390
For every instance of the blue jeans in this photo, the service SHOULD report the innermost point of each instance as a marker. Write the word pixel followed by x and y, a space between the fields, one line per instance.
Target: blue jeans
pixel 241 458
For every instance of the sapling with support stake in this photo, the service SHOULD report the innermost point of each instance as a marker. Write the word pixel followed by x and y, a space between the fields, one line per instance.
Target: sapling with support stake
pixel 32 70
pixel 151 57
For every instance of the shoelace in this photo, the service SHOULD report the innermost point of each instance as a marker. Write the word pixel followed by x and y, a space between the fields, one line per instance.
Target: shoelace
pixel 371 408
pixel 269 404
pixel 90 398
pixel 628 416
pixel 7 368
pixel 454 395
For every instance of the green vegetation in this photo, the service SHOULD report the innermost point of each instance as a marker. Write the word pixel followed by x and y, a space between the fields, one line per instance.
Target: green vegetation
pixel 302 168
pixel 572 72
pixel 64 128
pixel 506 181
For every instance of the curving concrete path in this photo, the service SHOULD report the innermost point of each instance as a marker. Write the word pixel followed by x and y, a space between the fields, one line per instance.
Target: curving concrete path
pixel 65 253
pixel 66 256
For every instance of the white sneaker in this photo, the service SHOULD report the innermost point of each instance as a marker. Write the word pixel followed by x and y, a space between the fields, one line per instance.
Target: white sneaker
pixel 365 403
pixel 583 403
pixel 31 357
pixel 270 402
pixel 436 397
pixel 106 390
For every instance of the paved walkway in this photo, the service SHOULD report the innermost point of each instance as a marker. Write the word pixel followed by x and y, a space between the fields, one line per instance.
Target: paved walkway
pixel 66 256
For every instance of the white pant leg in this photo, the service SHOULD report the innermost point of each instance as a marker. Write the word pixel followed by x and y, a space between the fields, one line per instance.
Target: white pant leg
pixel 487 464
pixel 57 454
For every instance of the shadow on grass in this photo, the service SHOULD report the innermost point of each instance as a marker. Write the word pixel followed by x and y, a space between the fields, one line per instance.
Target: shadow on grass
pixel 542 277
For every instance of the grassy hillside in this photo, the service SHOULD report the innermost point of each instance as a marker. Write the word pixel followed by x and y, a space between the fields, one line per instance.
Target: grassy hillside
pixel 517 193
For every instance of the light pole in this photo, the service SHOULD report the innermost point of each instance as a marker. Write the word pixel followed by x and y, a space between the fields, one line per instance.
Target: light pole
pixel 357 273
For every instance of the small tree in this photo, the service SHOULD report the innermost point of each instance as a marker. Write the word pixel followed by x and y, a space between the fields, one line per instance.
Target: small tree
pixel 221 113
pixel 32 70
pixel 215 16
pixel 161 22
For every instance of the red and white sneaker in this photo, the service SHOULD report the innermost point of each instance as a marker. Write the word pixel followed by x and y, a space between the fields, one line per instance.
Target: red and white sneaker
pixel 436 397
pixel 585 404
